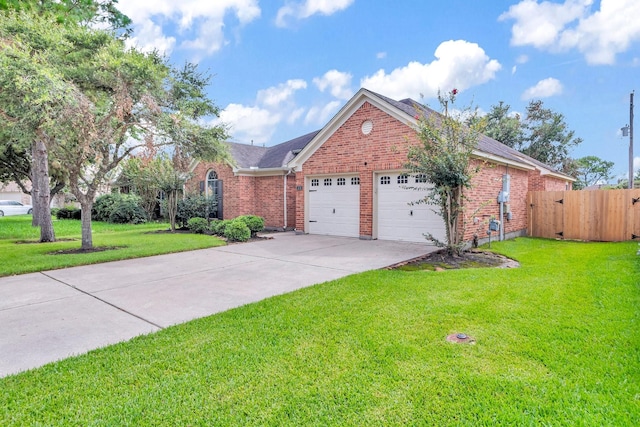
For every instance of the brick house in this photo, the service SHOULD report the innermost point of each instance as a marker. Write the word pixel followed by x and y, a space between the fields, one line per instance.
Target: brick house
pixel 347 179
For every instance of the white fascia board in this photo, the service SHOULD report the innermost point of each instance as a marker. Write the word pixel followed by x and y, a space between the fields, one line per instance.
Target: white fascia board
pixel 501 160
pixel 547 172
pixel 260 171
pixel 362 96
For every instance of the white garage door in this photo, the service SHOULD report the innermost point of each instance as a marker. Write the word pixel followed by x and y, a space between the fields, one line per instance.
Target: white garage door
pixel 334 206
pixel 396 218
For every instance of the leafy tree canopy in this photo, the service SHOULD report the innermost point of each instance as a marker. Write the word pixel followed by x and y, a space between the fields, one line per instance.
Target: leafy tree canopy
pixel 591 170
pixel 96 102
pixel 542 134
pixel 443 158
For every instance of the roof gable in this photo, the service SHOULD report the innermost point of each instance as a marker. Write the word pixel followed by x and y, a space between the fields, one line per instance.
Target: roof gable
pixel 408 111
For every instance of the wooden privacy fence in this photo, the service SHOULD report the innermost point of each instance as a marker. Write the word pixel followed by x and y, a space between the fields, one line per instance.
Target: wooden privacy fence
pixel 599 215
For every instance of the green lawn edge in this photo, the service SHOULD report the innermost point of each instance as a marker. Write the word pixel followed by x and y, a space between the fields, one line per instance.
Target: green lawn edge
pixel 21 253
pixel 556 344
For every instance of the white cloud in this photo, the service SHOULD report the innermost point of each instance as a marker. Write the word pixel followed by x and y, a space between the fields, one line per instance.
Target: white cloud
pixel 381 55
pixel 558 27
pixel 259 122
pixel 149 37
pixel 522 59
pixel 459 64
pixel 543 89
pixel 339 84
pixel 514 69
pixel 321 115
pixel 205 19
pixel 277 95
pixel 309 8
pixel 248 124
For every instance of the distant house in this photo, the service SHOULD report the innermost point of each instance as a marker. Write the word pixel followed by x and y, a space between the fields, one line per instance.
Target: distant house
pixel 348 178
pixel 12 191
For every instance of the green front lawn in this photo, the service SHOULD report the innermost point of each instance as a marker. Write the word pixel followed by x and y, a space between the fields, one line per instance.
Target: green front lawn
pixel 557 344
pixel 20 252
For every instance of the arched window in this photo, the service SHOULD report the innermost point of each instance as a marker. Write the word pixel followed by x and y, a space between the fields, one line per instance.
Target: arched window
pixel 212 177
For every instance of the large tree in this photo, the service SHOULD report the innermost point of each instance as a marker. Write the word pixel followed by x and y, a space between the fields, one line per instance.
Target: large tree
pixel 542 133
pixel 591 170
pixel 27 142
pixel 443 157
pixel 106 101
pixel 504 126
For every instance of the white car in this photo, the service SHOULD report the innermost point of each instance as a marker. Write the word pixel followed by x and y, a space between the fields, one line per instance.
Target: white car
pixel 11 207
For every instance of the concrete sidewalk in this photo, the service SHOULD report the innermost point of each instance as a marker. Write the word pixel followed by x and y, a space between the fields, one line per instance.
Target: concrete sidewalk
pixel 55 314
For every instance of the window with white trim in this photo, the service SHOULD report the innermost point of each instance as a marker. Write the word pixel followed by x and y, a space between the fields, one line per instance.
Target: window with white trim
pixel 327 182
pixel 385 180
pixel 420 179
pixel 403 179
pixel 341 181
pixel 315 182
pixel 355 180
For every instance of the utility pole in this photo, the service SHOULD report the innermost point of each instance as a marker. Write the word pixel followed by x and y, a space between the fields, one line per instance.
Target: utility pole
pixel 631 140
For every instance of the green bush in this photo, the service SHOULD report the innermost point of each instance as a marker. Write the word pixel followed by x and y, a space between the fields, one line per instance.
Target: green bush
pixel 194 206
pixel 54 212
pixel 255 223
pixel 127 210
pixel 237 231
pixel 69 212
pixel 218 226
pixel 103 206
pixel 197 225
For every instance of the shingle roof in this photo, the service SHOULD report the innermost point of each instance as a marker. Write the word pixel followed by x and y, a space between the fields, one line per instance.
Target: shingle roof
pixel 485 144
pixel 277 156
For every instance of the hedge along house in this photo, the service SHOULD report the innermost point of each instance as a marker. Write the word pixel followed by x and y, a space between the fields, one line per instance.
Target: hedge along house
pixel 348 179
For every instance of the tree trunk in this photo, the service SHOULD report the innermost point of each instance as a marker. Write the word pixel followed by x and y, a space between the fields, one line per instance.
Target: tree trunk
pixel 40 192
pixel 86 204
pixel 172 208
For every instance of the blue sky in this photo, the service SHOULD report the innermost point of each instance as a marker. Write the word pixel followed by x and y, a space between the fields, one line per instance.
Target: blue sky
pixel 283 68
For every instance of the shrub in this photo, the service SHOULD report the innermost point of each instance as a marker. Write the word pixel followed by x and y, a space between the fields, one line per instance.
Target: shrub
pixel 127 210
pixel 218 227
pixel 237 231
pixel 254 222
pixel 54 212
pixel 69 212
pixel 197 225
pixel 103 206
pixel 194 206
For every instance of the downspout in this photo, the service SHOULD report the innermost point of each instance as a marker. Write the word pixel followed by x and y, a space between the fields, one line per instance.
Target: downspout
pixel 285 199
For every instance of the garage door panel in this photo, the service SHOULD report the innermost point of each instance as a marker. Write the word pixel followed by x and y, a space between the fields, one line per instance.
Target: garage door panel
pixel 334 209
pixel 397 218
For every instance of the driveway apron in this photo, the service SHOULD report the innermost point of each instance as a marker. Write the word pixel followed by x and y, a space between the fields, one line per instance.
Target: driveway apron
pixel 55 314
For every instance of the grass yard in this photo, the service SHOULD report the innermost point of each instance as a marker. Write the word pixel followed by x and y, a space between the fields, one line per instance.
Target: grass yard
pixel 557 345
pixel 20 253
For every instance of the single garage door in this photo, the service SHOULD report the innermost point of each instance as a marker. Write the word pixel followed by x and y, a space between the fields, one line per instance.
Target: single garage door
pixel 396 218
pixel 334 206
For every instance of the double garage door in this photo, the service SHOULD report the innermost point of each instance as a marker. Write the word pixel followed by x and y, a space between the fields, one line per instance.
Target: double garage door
pixel 334 208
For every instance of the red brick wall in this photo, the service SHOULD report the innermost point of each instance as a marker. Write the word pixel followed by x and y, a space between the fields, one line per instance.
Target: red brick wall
pixel 539 182
pixel 555 184
pixel 349 151
pixel 482 202
pixel 248 195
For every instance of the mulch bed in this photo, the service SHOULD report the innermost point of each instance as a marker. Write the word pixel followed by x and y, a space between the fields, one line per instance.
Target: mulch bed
pixel 441 260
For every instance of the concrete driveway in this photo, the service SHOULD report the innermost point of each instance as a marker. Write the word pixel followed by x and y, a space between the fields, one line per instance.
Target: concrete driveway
pixel 55 314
